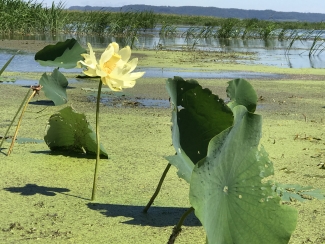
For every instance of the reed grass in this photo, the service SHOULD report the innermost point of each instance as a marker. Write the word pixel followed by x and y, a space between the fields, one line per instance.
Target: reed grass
pixel 30 17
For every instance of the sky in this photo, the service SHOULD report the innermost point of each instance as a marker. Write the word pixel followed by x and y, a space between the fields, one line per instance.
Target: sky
pixel 305 6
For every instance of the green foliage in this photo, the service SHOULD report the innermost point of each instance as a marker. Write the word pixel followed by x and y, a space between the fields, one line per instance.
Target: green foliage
pixel 63 54
pixel 54 87
pixel 227 192
pixel 222 160
pixel 228 28
pixel 70 131
pixel 241 92
pixel 198 115
pixel 26 17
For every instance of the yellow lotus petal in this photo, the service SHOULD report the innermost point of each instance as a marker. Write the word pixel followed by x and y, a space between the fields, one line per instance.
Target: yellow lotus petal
pixel 125 54
pixel 136 75
pixel 115 46
pixel 128 84
pixel 106 55
pixel 125 69
pixel 107 81
pixel 87 64
pixel 100 72
pixel 90 72
pixel 128 76
pixel 130 66
pixel 91 55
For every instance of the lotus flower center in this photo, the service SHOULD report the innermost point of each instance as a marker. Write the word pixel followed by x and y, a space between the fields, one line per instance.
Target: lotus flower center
pixel 110 64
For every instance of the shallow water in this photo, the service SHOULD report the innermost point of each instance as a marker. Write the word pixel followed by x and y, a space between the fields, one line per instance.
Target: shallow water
pixel 25 63
pixel 270 52
pixel 171 72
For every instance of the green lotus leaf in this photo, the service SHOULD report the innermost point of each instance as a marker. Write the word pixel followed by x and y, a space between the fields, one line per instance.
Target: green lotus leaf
pixel 63 54
pixel 70 131
pixel 228 192
pixel 197 116
pixel 54 87
pixel 241 92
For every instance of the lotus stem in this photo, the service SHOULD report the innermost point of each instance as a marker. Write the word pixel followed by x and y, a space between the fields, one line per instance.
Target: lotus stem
pixel 145 210
pixel 177 229
pixel 93 195
pixel 19 121
pixel 21 105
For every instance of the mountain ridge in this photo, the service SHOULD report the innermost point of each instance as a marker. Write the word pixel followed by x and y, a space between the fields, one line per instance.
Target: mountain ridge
pixel 212 11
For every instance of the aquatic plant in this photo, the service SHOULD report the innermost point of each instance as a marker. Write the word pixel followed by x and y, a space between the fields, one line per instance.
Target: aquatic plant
pixel 228 28
pixel 21 105
pixel 115 71
pixel 219 155
pixel 317 46
pixel 68 130
pixel 167 30
pixel 266 31
pixel 249 26
pixel 61 55
pixel 23 17
pixel 35 90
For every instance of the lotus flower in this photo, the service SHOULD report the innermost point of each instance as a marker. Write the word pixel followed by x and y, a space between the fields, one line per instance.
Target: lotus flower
pixel 113 67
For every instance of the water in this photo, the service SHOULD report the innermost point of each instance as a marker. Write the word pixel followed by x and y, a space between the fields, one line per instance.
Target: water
pixel 25 63
pixel 171 72
pixel 126 101
pixel 271 52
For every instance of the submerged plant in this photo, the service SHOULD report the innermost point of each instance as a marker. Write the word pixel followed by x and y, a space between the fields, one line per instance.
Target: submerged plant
pixel 115 71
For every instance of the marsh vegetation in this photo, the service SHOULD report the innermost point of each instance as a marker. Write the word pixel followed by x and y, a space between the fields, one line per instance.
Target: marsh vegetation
pixel 29 18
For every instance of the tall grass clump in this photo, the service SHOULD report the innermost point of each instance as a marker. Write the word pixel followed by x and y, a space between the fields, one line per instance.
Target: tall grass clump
pixel 229 28
pixel 20 17
pixel 266 29
pixel 249 27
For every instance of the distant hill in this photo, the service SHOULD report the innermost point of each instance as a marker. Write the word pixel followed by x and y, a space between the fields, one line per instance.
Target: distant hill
pixel 215 12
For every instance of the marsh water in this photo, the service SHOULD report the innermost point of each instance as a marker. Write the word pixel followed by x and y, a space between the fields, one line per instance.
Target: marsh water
pixel 271 52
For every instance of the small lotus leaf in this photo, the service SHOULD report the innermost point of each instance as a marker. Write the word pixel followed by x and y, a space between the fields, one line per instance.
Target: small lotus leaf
pixel 63 54
pixel 54 87
pixel 70 131
pixel 241 92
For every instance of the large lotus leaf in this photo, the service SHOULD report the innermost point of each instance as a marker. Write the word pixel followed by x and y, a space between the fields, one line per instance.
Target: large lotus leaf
pixel 54 87
pixel 241 92
pixel 228 192
pixel 63 54
pixel 197 116
pixel 70 131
